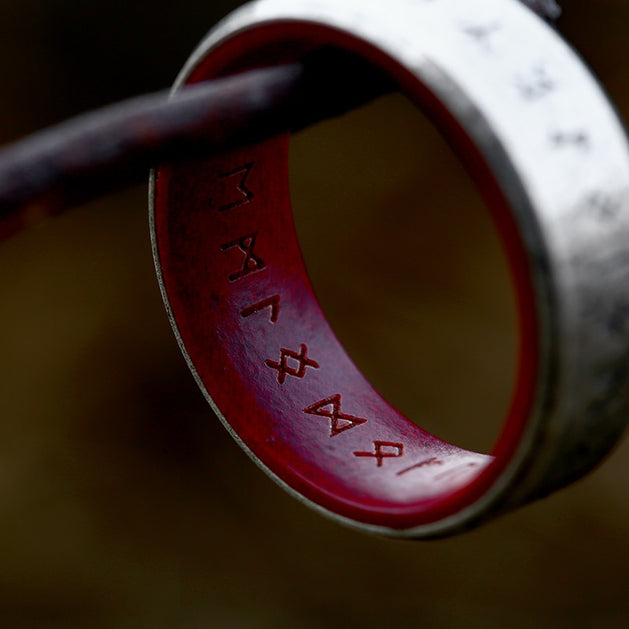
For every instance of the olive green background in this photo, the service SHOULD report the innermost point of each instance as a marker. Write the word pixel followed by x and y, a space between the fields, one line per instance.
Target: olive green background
pixel 123 502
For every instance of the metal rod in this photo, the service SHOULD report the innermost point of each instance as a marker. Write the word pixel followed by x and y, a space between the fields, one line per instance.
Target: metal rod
pixel 108 149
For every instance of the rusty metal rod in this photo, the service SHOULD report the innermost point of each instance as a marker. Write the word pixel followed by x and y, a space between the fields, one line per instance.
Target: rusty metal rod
pixel 108 149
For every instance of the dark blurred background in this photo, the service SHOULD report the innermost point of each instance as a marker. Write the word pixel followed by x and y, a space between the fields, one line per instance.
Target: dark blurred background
pixel 123 503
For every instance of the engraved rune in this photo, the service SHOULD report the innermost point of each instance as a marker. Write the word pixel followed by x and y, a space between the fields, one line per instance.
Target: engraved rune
pixel 602 206
pixel 456 471
pixel 284 368
pixel 244 194
pixel 272 302
pixel 252 262
pixel 331 408
pixel 481 32
pixel 537 85
pixel 384 450
pixel 578 139
pixel 426 463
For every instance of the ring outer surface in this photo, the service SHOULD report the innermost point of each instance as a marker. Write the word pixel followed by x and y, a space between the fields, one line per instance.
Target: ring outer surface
pixel 557 154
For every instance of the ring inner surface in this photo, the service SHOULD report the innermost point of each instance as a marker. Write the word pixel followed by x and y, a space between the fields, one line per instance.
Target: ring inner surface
pixel 255 334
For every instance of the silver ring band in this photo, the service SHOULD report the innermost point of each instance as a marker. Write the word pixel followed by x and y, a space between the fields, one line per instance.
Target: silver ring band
pixel 552 157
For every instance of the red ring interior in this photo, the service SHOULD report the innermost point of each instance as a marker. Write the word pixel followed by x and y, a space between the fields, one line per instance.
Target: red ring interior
pixel 260 343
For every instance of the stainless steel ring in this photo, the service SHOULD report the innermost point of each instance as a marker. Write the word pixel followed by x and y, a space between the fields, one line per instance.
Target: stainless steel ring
pixel 551 155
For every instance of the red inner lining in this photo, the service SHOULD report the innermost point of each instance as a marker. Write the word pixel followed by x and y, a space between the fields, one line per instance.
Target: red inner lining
pixel 252 326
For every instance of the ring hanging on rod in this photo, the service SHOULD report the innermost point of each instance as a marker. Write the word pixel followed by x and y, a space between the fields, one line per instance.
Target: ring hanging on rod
pixel 550 158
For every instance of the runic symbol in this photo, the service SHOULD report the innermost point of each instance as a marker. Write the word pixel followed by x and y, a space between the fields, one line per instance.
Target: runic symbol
pixel 456 471
pixel 331 408
pixel 579 139
pixel 272 302
pixel 427 462
pixel 285 369
pixel 252 262
pixel 603 207
pixel 384 450
pixel 481 32
pixel 537 85
pixel 244 193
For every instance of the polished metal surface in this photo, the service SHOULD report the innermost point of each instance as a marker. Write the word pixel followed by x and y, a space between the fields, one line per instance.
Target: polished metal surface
pixel 559 155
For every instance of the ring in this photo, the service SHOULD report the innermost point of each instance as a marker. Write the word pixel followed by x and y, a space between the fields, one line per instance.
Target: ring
pixel 551 160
